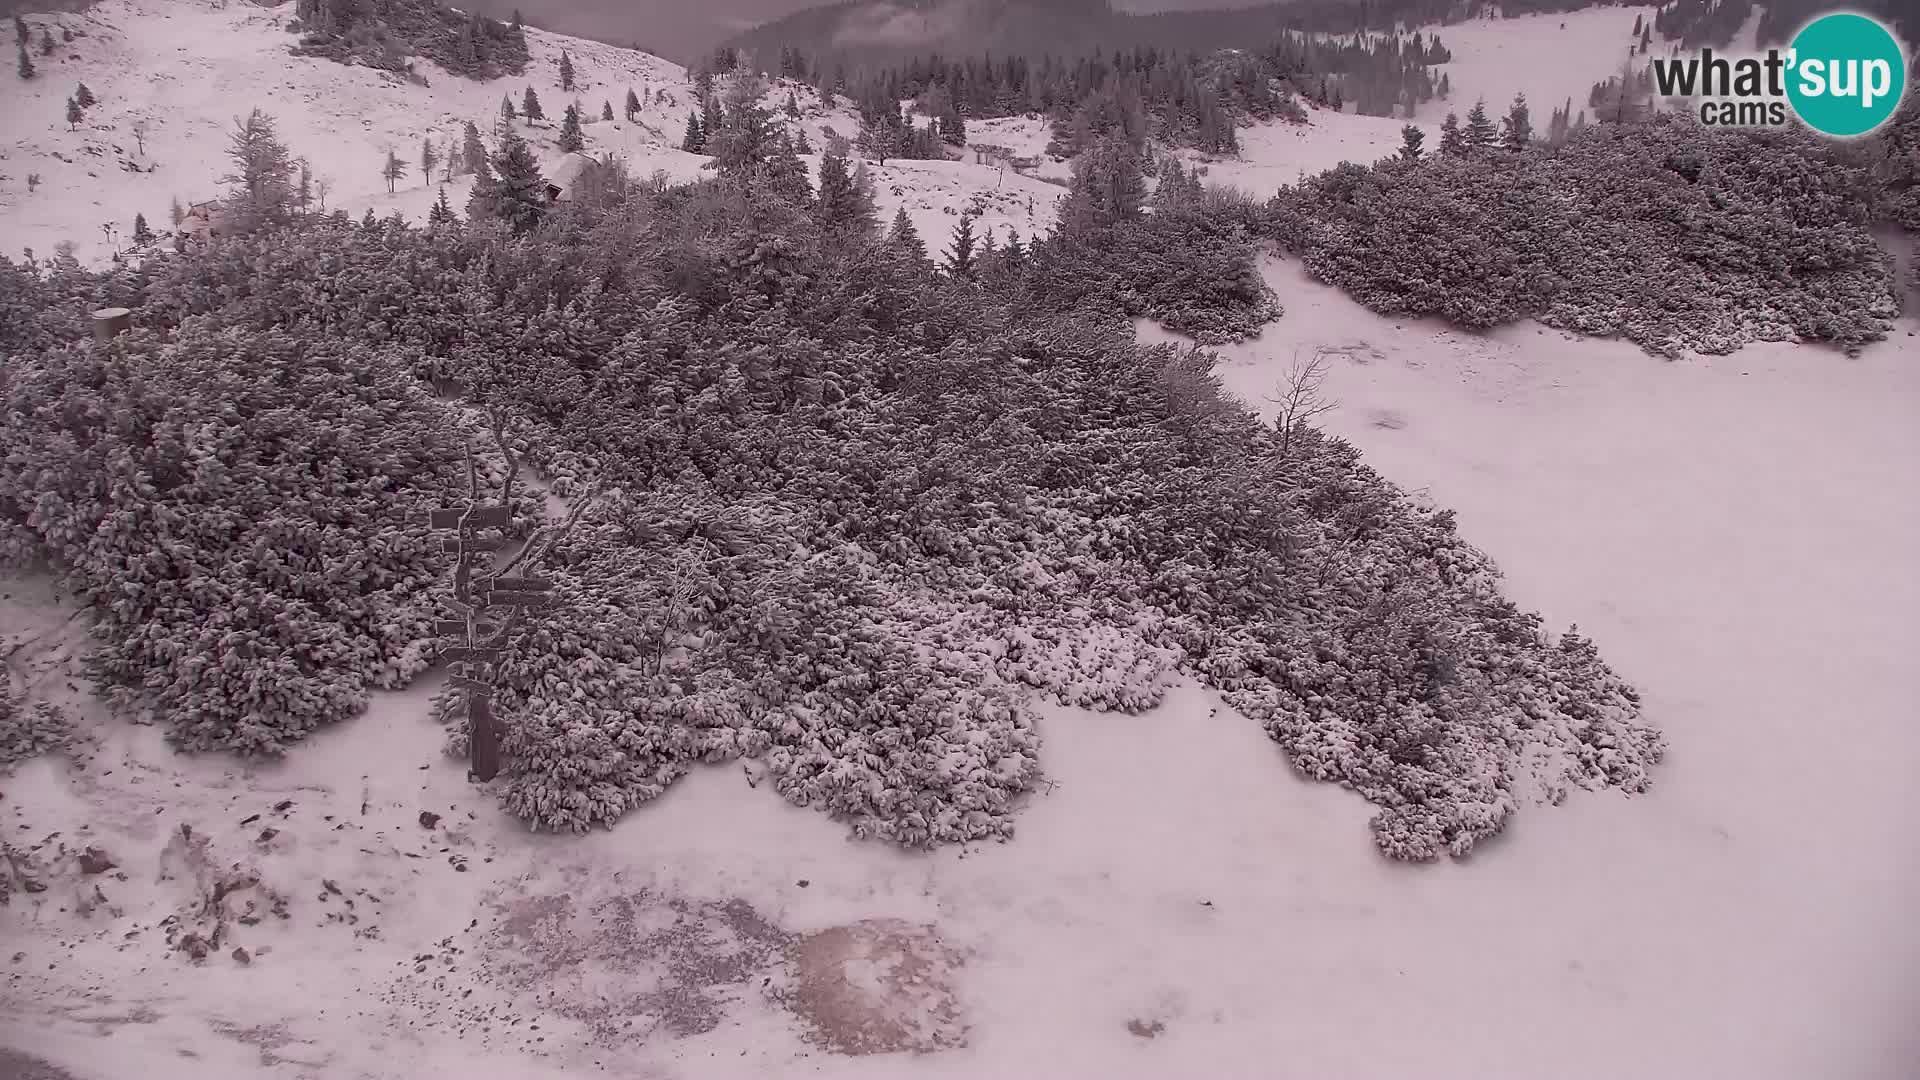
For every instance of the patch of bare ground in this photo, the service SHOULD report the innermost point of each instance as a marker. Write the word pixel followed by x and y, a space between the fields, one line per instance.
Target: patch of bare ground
pixel 629 964
pixel 876 987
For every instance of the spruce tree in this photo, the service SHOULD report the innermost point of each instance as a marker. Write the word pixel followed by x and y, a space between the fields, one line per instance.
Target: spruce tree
pixel 483 200
pixel 393 170
pixel 75 114
pixel 1108 186
pixel 85 97
pixel 519 194
pixel 606 110
pixel 904 239
pixel 566 71
pixel 473 153
pixel 792 106
pixel 1517 129
pixel 695 141
pixel 260 185
pixel 429 157
pixel 441 214
pixel 744 142
pixel 530 106
pixel 633 104
pixel 20 31
pixel 572 140
pixel 141 233
pixel 953 126
pixel 785 174
pixel 26 64
pixel 1451 144
pixel 1410 139
pixel 1479 131
pixel 506 109
pixel 1014 255
pixel 960 253
pixel 842 207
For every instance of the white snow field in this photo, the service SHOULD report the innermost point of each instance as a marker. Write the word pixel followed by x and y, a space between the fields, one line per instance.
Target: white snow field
pixel 1736 533
pixel 1550 58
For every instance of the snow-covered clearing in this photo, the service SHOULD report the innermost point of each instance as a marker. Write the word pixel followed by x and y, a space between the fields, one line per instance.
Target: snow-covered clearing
pixel 1550 58
pixel 1277 153
pixel 1734 533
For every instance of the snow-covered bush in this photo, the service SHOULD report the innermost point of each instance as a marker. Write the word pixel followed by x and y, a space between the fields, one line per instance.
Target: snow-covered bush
pixel 245 514
pixel 1669 234
pixel 29 729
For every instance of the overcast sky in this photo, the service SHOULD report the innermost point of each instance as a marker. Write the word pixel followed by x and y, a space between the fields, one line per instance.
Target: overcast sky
pixel 675 28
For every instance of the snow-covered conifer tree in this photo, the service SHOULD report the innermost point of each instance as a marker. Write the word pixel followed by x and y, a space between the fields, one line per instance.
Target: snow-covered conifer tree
pixel 1517 128
pixel 1479 132
pixel 1410 139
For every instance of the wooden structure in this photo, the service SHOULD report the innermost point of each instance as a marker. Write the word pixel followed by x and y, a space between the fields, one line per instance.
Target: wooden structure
pixel 494 604
pixel 493 599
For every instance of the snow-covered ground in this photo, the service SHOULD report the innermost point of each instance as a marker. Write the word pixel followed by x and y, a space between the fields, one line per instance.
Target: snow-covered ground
pixel 1278 153
pixel 1550 58
pixel 189 68
pixel 1735 533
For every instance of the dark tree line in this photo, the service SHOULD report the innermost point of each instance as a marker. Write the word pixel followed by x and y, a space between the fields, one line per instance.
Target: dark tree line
pixel 385 33
pixel 1146 93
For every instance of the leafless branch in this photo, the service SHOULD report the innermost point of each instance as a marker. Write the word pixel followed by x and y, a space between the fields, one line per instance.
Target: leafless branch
pixel 543 540
pixel 1299 396
pixel 498 419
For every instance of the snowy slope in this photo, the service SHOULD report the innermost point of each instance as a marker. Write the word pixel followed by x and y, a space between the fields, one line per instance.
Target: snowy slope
pixel 188 68
pixel 1550 58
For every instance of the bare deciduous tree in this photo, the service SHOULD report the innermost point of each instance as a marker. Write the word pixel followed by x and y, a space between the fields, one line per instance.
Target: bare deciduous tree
pixel 1299 396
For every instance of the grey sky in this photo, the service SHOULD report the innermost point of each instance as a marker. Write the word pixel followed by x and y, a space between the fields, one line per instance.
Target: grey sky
pixel 677 28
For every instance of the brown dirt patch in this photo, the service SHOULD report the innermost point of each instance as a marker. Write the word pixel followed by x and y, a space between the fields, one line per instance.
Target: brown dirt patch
pixel 876 987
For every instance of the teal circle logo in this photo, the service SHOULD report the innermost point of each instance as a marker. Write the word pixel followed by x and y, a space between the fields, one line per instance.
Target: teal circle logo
pixel 1846 74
